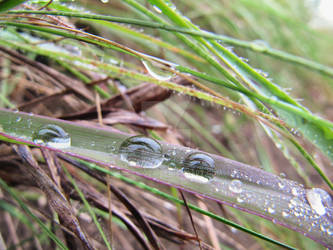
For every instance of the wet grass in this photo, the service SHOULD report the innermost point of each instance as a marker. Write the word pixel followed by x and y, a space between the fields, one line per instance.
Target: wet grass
pixel 266 101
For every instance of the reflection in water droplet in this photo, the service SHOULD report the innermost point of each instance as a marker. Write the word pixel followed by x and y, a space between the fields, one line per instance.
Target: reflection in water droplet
pixel 199 167
pixel 52 135
pixel 319 200
pixel 236 186
pixel 141 151
pixel 157 72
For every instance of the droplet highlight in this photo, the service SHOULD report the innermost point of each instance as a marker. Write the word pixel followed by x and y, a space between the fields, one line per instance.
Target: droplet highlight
pixel 259 45
pixel 53 136
pixel 236 186
pixel 199 167
pixel 319 199
pixel 141 151
pixel 156 71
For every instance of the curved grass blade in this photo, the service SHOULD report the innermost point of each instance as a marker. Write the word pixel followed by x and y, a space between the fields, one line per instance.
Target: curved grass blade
pixel 320 133
pixel 235 184
pixel 273 101
pixel 204 34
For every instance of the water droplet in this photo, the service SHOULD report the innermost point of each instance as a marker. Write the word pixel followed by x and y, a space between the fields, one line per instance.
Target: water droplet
pixel 18 119
pixel 199 167
pixel 281 185
pixel 259 45
pixel 158 10
pixel 233 173
pixel 294 191
pixel 285 214
pixel 319 199
pixel 240 199
pixel 283 175
pixel 157 72
pixel 52 135
pixel 236 186
pixel 141 151
pixel 271 210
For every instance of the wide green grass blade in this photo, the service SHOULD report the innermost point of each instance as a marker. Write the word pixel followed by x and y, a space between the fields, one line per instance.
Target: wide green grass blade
pixel 260 192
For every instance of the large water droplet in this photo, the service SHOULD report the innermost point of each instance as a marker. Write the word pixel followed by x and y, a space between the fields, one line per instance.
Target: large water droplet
pixel 319 200
pixel 141 151
pixel 157 72
pixel 199 167
pixel 236 186
pixel 53 136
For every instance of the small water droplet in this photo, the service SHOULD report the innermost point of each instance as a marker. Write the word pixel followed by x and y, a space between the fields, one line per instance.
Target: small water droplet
pixel 240 199
pixel 236 186
pixel 318 200
pixel 281 185
pixel 199 167
pixel 18 119
pixel 157 72
pixel 271 210
pixel 233 173
pixel 141 151
pixel 285 214
pixel 158 10
pixel 52 135
pixel 283 175
pixel 259 45
pixel 294 191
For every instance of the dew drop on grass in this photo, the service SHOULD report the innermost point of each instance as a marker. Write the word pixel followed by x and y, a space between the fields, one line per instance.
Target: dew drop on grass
pixel 18 119
pixel 294 191
pixel 199 167
pixel 141 151
pixel 236 186
pixel 271 210
pixel 281 185
pixel 158 10
pixel 319 200
pixel 259 45
pixel 285 214
pixel 157 72
pixel 52 135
